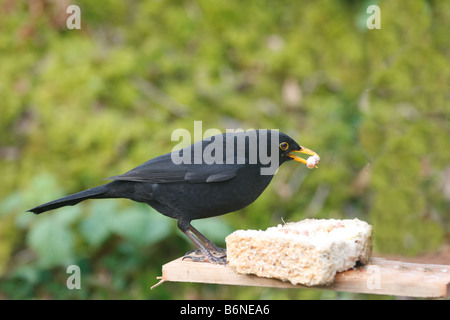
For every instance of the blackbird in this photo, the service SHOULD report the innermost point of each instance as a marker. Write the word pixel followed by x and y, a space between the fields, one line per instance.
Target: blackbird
pixel 218 175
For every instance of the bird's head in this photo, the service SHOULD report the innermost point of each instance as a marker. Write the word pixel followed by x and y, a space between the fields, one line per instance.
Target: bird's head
pixel 288 149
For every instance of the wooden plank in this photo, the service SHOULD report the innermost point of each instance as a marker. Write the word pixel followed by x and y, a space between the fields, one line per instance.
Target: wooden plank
pixel 380 276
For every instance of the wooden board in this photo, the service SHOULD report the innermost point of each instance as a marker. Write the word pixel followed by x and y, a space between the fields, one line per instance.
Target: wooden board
pixel 380 276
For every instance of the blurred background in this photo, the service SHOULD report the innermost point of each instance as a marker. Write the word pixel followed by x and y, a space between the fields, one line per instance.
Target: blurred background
pixel 79 105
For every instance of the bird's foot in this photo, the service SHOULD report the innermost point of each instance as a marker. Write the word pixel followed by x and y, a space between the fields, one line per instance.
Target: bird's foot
pixel 193 251
pixel 215 250
pixel 200 257
pixel 218 250
pixel 207 251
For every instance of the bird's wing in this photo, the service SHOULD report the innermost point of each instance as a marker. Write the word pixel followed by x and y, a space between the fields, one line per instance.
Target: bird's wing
pixel 163 170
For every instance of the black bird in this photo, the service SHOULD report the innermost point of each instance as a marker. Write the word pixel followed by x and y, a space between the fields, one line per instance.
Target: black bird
pixel 217 175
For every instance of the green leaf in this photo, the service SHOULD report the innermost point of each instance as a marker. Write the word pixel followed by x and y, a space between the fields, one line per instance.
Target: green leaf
pixel 142 225
pixel 67 215
pixel 96 227
pixel 52 241
pixel 11 203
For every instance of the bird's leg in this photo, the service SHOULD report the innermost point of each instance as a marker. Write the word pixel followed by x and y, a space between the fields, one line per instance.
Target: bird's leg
pixel 207 255
pixel 208 243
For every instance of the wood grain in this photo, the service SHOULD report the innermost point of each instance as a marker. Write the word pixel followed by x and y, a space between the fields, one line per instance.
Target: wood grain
pixel 380 276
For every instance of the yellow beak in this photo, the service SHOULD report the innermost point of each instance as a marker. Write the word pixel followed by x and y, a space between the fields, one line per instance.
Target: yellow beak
pixel 302 150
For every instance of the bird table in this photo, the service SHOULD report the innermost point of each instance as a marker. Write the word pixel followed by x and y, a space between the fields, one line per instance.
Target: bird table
pixel 379 276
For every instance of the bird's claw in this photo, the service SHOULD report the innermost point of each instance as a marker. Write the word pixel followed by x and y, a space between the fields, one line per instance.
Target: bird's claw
pixel 199 257
pixel 194 251
pixel 216 250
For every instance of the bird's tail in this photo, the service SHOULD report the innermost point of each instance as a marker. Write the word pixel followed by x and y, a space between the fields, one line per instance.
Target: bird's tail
pixel 94 193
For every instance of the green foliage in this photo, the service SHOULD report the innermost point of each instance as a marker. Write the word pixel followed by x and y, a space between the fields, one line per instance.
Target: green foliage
pixel 81 105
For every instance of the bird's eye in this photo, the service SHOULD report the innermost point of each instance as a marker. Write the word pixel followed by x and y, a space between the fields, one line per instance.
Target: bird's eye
pixel 284 146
